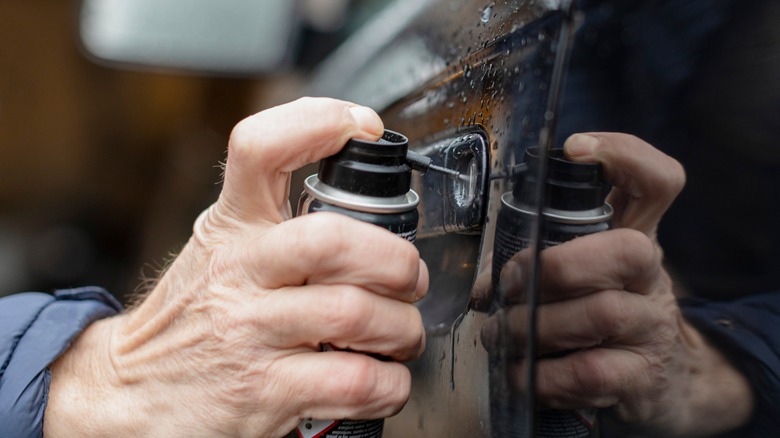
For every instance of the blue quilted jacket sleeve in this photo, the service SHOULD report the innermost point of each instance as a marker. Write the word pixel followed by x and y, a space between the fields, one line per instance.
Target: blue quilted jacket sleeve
pixel 35 329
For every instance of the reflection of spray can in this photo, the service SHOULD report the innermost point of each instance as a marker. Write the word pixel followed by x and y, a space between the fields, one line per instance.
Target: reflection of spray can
pixel 574 206
pixel 369 181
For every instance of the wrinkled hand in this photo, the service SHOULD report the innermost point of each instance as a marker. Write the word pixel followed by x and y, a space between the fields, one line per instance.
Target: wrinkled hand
pixel 228 342
pixel 610 333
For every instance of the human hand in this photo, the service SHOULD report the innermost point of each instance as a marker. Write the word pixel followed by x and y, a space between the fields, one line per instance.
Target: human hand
pixel 610 333
pixel 228 342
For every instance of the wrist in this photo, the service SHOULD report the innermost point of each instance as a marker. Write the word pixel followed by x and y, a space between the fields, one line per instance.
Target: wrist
pixel 704 396
pixel 720 398
pixel 85 397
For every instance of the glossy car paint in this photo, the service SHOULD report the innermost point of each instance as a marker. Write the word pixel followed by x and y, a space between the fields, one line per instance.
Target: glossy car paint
pixel 467 82
pixel 694 78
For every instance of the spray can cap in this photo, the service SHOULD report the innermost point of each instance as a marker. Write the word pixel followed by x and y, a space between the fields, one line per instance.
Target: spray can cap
pixel 570 186
pixel 370 168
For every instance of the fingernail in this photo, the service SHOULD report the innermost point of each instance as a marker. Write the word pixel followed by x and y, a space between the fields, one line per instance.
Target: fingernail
pixel 367 120
pixel 580 145
pixel 422 286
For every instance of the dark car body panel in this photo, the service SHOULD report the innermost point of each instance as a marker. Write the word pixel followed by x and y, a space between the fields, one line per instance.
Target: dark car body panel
pixel 442 71
pixel 478 83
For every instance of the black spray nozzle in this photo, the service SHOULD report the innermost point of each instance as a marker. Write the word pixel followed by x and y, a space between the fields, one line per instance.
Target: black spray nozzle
pixel 569 186
pixel 423 163
pixel 370 168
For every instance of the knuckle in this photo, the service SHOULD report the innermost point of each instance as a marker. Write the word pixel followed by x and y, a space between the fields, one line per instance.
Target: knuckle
pixel 611 315
pixel 358 382
pixel 555 260
pixel 677 176
pixel 407 269
pixel 637 252
pixel 336 239
pixel 346 311
pixel 326 235
pixel 389 388
pixel 667 178
pixel 399 393
pixel 326 227
pixel 368 387
pixel 242 139
pixel 590 376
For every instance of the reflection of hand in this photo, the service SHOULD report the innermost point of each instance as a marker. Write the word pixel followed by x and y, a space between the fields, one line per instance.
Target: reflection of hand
pixel 228 342
pixel 610 332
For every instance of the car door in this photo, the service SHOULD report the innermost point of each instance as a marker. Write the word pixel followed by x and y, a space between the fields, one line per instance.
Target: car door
pixel 469 83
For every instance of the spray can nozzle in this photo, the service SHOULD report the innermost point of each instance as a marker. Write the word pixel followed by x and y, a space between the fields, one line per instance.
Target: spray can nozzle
pixel 423 163
pixel 570 186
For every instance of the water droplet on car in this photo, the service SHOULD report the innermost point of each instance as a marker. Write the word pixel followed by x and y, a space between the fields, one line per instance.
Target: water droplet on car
pixel 485 17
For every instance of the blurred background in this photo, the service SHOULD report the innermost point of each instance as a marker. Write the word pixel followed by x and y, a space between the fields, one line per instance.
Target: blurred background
pixel 103 166
pixel 105 161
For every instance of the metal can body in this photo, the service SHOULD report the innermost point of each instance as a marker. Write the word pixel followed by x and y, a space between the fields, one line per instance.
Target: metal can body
pixel 513 228
pixel 513 234
pixel 573 206
pixel 368 181
pixel 338 429
pixel 398 215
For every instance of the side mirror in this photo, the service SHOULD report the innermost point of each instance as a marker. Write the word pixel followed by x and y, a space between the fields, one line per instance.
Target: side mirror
pixel 233 38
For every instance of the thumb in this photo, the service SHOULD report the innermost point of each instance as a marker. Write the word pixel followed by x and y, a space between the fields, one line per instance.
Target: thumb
pixel 265 148
pixel 645 180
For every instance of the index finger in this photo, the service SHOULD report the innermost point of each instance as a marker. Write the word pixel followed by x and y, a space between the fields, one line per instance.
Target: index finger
pixel 620 259
pixel 645 180
pixel 331 249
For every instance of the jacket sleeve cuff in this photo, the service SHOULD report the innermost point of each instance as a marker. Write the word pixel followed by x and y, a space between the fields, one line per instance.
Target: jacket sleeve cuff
pixel 35 329
pixel 745 331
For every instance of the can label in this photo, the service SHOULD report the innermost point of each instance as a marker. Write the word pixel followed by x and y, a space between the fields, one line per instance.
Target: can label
pixel 408 235
pixel 403 224
pixel 339 428
pixel 513 234
pixel 565 424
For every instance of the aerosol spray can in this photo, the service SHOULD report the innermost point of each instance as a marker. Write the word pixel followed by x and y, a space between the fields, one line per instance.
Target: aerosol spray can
pixel 369 181
pixel 574 206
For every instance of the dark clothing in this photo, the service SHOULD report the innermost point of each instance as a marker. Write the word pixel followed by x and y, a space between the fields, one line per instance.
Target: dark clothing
pixel 746 331
pixel 698 80
pixel 35 329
